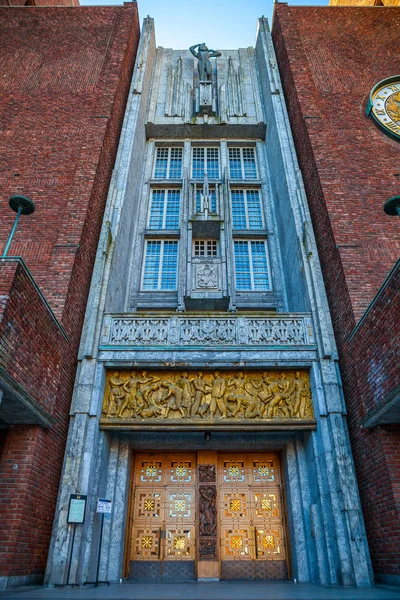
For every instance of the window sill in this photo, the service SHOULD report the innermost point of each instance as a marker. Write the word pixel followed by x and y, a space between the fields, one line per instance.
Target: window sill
pixel 245 183
pixel 200 180
pixel 155 300
pixel 249 234
pixel 171 234
pixel 165 183
pixel 250 299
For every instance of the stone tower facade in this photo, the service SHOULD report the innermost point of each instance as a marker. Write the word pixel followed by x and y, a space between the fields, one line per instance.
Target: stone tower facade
pixel 208 406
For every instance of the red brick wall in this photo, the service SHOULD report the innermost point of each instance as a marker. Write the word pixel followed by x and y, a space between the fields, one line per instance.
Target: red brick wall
pixel 63 71
pixel 376 345
pixel 336 55
pixel 329 59
pixel 22 3
pixel 375 351
pixel 30 340
pixel 65 79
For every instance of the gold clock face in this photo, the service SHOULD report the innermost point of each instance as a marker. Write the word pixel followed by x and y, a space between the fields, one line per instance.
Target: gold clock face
pixel 384 106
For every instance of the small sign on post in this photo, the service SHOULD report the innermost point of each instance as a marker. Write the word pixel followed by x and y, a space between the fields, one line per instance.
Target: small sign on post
pixel 77 509
pixel 103 506
pixel 76 516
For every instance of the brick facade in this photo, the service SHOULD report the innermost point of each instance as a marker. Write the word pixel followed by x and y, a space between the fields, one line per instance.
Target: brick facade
pixel 371 375
pixel 329 59
pixel 65 79
pixel 376 344
pixel 31 341
pixel 23 3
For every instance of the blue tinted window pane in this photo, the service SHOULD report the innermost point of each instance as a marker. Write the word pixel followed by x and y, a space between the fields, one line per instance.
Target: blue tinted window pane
pixel 238 209
pixel 213 201
pixel 151 265
pixel 198 201
pixel 157 209
pixel 160 171
pixel 235 165
pixel 198 163
pixel 242 266
pixel 212 163
pixel 260 271
pixel 200 155
pixel 173 207
pixel 175 166
pixel 168 275
pixel 254 209
pixel 249 163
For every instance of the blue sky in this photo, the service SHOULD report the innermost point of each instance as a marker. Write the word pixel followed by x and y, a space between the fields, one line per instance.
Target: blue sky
pixel 220 23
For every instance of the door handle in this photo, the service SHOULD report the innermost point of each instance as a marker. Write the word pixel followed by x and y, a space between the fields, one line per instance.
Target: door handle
pixel 159 542
pixel 255 541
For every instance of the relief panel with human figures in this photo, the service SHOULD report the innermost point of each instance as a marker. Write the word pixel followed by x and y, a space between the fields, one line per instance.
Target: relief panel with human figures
pixel 213 396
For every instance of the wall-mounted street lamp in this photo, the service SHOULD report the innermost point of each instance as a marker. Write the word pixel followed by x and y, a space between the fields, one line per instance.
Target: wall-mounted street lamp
pixel 22 206
pixel 392 206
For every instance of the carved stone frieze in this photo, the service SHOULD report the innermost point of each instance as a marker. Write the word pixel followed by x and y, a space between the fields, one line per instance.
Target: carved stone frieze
pixel 197 397
pixel 206 331
pixel 140 331
pixel 207 474
pixel 285 330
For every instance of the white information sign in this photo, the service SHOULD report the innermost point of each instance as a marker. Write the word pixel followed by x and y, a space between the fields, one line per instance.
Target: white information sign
pixel 103 506
pixel 77 506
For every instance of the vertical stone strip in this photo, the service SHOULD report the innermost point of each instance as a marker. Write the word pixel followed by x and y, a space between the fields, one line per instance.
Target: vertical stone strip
pixel 207 523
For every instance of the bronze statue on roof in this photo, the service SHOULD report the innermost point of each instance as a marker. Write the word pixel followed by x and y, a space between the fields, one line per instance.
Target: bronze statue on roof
pixel 203 54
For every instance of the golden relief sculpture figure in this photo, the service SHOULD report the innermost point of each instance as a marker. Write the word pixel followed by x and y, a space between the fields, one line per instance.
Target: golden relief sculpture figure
pixel 206 396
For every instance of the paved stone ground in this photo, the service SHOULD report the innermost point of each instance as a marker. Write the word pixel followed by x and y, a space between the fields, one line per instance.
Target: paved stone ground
pixel 223 590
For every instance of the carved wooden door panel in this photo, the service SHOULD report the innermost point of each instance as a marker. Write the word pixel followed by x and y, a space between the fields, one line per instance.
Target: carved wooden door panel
pixel 252 532
pixel 163 517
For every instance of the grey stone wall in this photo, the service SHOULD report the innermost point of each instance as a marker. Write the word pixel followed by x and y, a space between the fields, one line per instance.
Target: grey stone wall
pixel 327 537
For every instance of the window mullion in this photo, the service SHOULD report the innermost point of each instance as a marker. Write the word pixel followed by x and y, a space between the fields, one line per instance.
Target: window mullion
pixel 242 163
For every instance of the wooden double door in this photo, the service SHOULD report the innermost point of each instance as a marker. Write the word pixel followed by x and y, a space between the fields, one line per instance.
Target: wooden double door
pixel 252 524
pixel 163 517
pixel 236 515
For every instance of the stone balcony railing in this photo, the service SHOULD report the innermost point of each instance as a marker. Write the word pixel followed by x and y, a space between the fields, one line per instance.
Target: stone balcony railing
pixel 185 330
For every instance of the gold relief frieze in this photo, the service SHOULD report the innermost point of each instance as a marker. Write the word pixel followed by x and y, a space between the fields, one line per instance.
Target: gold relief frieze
pixel 212 397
